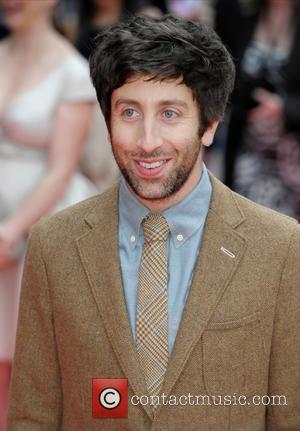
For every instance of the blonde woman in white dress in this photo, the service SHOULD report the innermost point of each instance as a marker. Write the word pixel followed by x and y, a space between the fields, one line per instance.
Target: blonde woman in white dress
pixel 46 105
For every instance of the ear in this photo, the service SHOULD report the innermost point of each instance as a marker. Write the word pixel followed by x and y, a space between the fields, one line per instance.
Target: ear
pixel 209 133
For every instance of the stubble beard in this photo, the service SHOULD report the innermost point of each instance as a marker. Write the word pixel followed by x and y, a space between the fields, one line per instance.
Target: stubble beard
pixel 157 189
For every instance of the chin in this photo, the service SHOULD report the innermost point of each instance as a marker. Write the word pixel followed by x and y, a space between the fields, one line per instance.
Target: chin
pixel 151 196
pixel 147 191
pixel 14 23
pixel 156 189
pixel 14 16
pixel 155 192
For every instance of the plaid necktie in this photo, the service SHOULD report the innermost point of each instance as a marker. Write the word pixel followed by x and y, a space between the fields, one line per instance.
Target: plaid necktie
pixel 152 303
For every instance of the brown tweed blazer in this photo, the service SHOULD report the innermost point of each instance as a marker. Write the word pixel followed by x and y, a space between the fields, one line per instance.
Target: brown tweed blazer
pixel 239 333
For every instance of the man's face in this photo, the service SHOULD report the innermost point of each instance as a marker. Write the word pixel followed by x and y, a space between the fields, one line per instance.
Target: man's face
pixel 154 135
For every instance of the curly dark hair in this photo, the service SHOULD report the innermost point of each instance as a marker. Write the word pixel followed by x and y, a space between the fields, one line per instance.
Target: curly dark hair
pixel 165 48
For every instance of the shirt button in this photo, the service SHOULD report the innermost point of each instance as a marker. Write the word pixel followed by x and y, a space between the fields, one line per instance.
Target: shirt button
pixel 180 237
pixel 132 238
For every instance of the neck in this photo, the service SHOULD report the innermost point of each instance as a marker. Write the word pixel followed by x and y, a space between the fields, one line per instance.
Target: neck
pixel 31 41
pixel 160 205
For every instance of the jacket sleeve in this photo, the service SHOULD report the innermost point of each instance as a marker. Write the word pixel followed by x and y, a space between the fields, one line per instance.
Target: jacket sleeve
pixel 36 393
pixel 284 376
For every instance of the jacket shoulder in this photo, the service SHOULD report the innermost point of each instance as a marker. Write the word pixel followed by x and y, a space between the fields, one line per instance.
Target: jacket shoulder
pixel 265 221
pixel 252 220
pixel 72 222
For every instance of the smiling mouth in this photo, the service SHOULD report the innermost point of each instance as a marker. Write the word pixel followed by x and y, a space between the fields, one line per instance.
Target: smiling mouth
pixel 151 168
pixel 152 165
pixel 13 6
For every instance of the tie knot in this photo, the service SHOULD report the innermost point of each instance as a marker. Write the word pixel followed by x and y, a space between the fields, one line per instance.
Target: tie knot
pixel 155 227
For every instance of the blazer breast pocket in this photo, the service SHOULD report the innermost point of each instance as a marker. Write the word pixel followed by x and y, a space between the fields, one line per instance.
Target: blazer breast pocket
pixel 234 357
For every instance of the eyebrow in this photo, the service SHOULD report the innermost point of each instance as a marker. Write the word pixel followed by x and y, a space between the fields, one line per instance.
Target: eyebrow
pixel 178 102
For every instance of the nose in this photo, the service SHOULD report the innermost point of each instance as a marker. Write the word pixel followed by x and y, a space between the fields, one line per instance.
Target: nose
pixel 150 135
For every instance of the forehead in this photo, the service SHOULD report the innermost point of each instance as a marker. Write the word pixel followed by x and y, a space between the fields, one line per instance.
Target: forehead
pixel 144 91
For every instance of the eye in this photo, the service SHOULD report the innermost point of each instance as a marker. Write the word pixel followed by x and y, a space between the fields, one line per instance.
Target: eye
pixel 169 114
pixel 129 113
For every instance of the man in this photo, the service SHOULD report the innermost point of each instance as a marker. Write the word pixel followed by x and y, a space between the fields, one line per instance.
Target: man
pixel 168 279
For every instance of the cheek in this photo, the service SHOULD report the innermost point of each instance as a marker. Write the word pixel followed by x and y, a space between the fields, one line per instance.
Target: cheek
pixel 186 125
pixel 122 141
pixel 180 135
pixel 123 136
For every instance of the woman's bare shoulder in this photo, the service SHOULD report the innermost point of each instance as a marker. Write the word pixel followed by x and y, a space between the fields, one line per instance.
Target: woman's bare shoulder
pixel 64 48
pixel 61 51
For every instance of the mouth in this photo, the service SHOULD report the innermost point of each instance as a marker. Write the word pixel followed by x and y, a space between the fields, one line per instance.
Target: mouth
pixel 12 8
pixel 151 168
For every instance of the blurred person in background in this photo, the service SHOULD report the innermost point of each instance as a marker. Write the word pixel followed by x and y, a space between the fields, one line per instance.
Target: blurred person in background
pixel 94 16
pixel 97 15
pixel 200 10
pixel 262 145
pixel 46 103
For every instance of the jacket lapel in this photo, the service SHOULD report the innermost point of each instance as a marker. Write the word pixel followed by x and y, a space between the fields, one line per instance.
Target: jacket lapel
pixel 99 252
pixel 213 271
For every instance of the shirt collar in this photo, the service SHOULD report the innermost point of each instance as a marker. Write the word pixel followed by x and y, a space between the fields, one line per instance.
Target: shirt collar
pixel 131 211
pixel 184 218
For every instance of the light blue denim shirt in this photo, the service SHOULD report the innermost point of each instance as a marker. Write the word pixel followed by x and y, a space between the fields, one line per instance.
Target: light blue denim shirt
pixel 186 221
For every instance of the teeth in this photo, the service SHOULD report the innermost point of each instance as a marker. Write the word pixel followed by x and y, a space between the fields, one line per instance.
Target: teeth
pixel 152 165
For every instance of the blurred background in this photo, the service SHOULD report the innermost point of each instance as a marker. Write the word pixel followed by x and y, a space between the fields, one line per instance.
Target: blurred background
pixel 54 149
